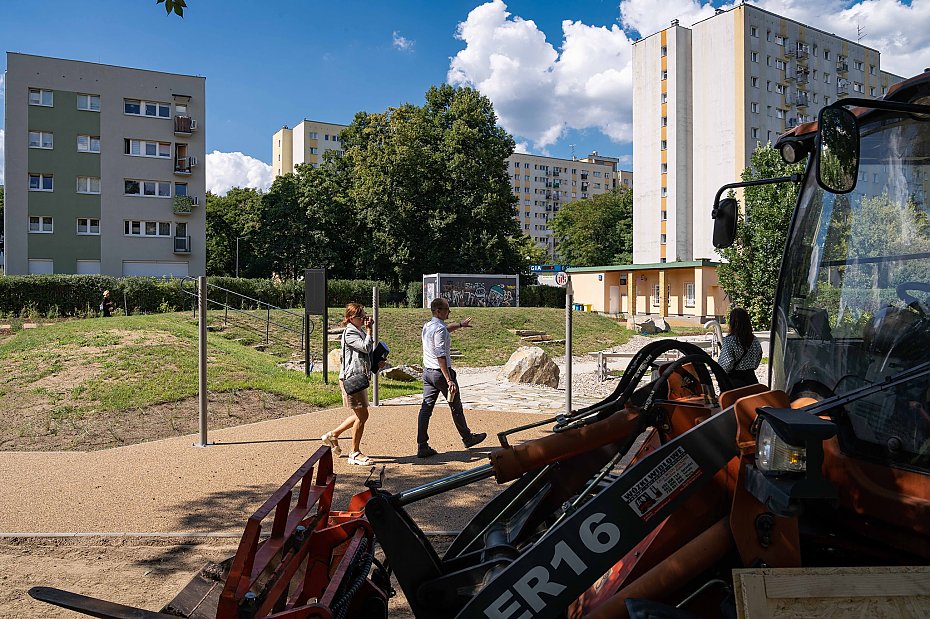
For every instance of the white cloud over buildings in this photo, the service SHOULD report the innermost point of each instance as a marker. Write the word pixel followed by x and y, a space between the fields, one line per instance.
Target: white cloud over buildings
pixel 227 170
pixel 402 43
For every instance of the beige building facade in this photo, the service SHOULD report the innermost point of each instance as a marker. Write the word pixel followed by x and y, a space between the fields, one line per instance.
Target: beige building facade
pixel 104 169
pixel 705 97
pixel 305 143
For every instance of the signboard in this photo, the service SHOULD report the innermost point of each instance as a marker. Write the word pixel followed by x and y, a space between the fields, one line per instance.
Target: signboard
pixel 547 268
pixel 478 290
pixel 561 278
pixel 315 291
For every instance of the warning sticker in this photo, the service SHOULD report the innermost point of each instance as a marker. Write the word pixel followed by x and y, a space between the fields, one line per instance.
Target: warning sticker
pixel 663 483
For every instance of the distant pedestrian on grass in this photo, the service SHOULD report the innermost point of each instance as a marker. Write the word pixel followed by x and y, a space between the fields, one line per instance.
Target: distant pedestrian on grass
pixel 106 306
pixel 357 344
pixel 439 377
pixel 741 352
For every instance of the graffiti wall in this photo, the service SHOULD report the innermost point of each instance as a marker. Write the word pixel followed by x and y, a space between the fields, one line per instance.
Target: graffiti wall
pixel 472 290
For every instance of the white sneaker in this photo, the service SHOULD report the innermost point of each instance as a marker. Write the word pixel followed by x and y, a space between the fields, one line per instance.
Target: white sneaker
pixel 332 442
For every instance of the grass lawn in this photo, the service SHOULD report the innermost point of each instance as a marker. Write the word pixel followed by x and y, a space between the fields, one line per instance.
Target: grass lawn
pixel 102 382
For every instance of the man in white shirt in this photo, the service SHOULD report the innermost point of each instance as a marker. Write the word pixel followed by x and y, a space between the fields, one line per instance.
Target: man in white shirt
pixel 439 377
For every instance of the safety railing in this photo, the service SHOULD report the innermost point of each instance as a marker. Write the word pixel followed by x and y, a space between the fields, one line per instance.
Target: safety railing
pixel 250 320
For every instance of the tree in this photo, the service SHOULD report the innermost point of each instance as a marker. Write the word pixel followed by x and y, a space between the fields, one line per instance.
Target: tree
pixel 430 190
pixel 749 274
pixel 596 230
pixel 229 217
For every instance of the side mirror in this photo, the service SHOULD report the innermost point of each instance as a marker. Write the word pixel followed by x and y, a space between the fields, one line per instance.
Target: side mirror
pixel 724 215
pixel 838 160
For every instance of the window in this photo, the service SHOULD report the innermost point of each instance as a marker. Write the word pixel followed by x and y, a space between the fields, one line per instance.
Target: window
pixel 689 294
pixel 664 123
pixel 768 86
pixel 664 168
pixel 146 228
pixel 663 75
pixel 664 215
pixel 88 143
pixel 180 109
pixel 88 103
pixel 663 238
pixel 41 225
pixel 516 164
pixel 597 174
pixel 41 182
pixel 37 96
pixel 826 78
pixel 779 63
pixel 753 56
pixel 86 225
pixel 871 69
pixel 826 100
pixel 135 107
pixel 41 139
pixel 857 64
pixel 753 32
pixel 152 189
pixel 314 150
pixel 663 51
pixel 754 82
pixel 780 89
pixel 768 61
pixel 755 133
pixel 664 192
pixel 316 136
pixel 754 107
pixel 655 295
pixel 858 87
pixel 779 113
pixel 144 148
pixel 664 97
pixel 663 145
pixel 88 184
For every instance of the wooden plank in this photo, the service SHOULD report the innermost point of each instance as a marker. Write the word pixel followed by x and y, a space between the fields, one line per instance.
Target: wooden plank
pixel 844 585
pixel 752 591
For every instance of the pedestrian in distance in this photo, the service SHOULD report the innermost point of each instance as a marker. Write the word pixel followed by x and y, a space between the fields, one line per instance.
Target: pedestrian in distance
pixel 439 377
pixel 106 306
pixel 357 344
pixel 741 352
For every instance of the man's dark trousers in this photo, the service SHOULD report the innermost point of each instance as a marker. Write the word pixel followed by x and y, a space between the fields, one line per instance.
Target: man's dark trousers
pixel 435 383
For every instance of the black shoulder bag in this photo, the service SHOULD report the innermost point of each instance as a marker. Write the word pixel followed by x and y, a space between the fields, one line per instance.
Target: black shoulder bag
pixel 357 382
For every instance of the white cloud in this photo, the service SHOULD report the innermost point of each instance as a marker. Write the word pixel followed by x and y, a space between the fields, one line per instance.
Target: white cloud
pixel 402 43
pixel 539 93
pixel 228 170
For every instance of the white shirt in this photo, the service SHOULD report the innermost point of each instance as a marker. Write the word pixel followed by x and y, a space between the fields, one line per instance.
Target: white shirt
pixel 436 343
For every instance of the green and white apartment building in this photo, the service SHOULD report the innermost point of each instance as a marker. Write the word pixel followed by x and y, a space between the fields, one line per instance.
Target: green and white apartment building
pixel 103 169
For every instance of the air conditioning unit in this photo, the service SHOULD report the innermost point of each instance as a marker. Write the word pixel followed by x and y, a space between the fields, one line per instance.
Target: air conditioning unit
pixel 193 125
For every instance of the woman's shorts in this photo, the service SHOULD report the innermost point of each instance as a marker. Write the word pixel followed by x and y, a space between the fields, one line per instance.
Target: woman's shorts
pixel 356 400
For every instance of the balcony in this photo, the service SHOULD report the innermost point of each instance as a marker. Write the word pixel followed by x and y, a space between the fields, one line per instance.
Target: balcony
pixel 802 52
pixel 842 66
pixel 184 125
pixel 803 77
pixel 184 205
pixel 556 174
pixel 183 165
pixel 584 176
pixel 801 101
pixel 842 88
pixel 182 244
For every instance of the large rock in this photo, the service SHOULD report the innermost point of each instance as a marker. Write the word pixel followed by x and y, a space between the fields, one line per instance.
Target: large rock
pixel 403 373
pixel 662 325
pixel 335 359
pixel 647 326
pixel 530 364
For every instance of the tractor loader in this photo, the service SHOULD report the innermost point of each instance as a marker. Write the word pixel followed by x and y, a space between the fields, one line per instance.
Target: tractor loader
pixel 643 504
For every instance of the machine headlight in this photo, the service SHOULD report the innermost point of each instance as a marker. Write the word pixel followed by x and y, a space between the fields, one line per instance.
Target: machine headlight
pixel 774 455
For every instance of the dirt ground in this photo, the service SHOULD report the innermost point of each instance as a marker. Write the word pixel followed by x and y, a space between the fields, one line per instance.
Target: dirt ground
pixel 115 429
pixel 142 572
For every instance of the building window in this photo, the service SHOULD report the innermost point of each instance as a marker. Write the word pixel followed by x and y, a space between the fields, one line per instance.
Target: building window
pixel 664 97
pixel 41 182
pixel 516 164
pixel 151 189
pixel 38 96
pixel 88 143
pixel 316 136
pixel 41 225
pixel 664 123
pixel 779 113
pixel 768 61
pixel 857 64
pixel 663 51
pixel 663 238
pixel 88 103
pixel 145 148
pixel 872 91
pixel 664 192
pixel 88 184
pixel 86 225
pixel 655 295
pixel 753 56
pixel 689 294
pixel 826 54
pixel 146 228
pixel 779 63
pixel 826 100
pixel 755 133
pixel 779 40
pixel 664 168
pixel 41 139
pixel 754 107
pixel 663 145
pixel 663 75
pixel 780 89
pixel 314 150
pixel 753 32
pixel 135 107
pixel 664 215
pixel 858 87
pixel 826 78
pixel 754 82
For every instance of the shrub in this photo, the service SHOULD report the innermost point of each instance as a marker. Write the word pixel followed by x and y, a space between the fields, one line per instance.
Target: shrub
pixel 542 296
pixel 415 294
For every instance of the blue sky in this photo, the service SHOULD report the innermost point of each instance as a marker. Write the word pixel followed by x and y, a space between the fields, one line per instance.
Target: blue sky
pixel 275 62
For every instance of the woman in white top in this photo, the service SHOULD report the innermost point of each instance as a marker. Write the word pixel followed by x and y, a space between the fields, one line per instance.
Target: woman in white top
pixel 741 351
pixel 357 344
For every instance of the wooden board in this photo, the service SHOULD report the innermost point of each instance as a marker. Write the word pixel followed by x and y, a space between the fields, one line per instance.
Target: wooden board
pixel 795 593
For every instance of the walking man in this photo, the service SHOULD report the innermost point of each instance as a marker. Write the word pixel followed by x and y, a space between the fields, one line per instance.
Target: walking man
pixel 439 377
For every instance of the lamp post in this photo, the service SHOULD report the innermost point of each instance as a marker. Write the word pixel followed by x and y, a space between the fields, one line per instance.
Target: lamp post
pixel 237 254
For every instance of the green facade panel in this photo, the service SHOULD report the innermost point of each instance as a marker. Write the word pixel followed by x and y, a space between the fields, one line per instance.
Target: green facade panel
pixel 65 163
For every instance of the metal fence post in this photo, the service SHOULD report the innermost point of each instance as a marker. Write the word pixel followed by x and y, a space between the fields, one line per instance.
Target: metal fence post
pixel 202 365
pixel 568 346
pixel 267 324
pixel 375 302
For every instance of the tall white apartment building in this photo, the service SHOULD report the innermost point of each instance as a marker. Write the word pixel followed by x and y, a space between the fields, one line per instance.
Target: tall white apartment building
pixel 103 169
pixel 705 97
pixel 305 143
pixel 543 185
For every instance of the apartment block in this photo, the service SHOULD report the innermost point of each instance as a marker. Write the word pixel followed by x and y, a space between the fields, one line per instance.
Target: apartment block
pixel 103 169
pixel 305 143
pixel 543 185
pixel 703 99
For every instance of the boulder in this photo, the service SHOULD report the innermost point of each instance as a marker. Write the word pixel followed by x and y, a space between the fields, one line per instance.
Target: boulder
pixel 335 359
pixel 662 325
pixel 647 326
pixel 530 364
pixel 403 373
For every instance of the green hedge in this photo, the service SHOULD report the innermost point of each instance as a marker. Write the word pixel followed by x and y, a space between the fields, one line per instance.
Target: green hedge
pixel 80 295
